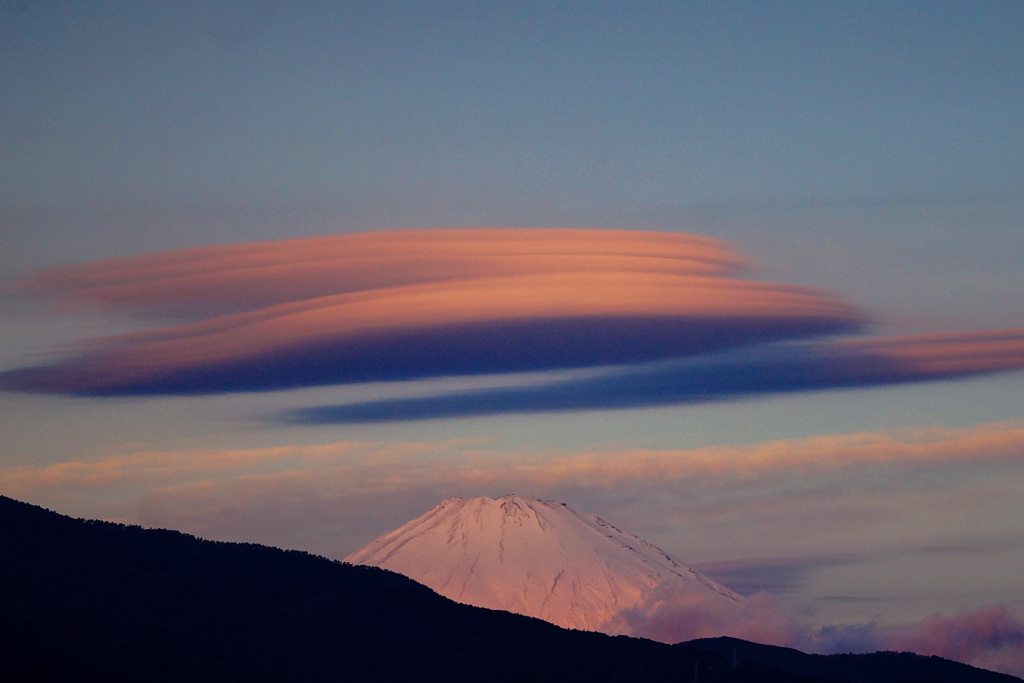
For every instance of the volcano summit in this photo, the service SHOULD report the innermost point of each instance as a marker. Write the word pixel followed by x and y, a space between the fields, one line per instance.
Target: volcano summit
pixel 542 559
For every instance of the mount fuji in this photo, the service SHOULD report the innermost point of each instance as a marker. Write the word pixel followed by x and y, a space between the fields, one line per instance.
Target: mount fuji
pixel 541 559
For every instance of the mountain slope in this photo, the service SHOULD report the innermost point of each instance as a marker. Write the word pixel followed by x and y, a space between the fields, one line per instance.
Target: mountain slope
pixel 88 600
pixel 538 558
pixel 879 667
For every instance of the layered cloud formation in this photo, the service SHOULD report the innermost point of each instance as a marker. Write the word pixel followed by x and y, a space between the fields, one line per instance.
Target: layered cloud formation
pixel 666 309
pixel 398 305
pixel 245 277
pixel 768 368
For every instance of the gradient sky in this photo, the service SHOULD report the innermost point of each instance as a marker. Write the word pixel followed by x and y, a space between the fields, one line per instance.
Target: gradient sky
pixel 841 429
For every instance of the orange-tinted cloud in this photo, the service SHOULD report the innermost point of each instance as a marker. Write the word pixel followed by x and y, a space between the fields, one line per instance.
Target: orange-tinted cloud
pixel 396 305
pixel 948 355
pixel 240 277
pixel 429 303
pixel 395 469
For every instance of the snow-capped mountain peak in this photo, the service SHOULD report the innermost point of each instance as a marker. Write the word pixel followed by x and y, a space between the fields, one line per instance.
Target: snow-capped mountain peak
pixel 538 558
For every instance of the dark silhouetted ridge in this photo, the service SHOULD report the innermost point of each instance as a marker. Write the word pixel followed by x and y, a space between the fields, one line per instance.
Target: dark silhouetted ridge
pixel 96 600
pixel 878 667
pixel 89 600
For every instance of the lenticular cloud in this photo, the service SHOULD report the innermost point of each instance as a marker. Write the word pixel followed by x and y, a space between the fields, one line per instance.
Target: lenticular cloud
pixel 417 303
pixel 669 310
pixel 764 369
pixel 254 276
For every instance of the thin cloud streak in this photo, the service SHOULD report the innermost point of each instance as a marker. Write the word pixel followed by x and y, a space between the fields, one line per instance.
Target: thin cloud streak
pixel 776 575
pixel 389 468
pixel 765 370
pixel 420 304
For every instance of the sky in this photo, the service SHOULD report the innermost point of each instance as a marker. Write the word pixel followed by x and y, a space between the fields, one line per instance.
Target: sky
pixel 741 278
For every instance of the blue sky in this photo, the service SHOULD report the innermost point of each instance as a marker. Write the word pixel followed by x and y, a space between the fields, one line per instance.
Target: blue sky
pixel 872 150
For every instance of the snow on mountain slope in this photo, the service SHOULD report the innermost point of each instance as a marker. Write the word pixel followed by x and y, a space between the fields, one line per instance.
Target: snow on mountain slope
pixel 538 558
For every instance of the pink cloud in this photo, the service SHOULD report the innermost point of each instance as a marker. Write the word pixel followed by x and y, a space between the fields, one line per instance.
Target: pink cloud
pixel 394 305
pixel 990 637
pixel 240 277
pixel 680 617
pixel 947 355
pixel 397 468
pixel 426 303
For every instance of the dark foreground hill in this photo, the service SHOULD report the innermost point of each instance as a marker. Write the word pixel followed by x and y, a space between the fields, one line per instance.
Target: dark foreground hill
pixel 880 667
pixel 88 600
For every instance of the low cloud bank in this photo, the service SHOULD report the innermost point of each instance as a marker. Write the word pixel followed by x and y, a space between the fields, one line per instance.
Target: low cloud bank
pixel 990 637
